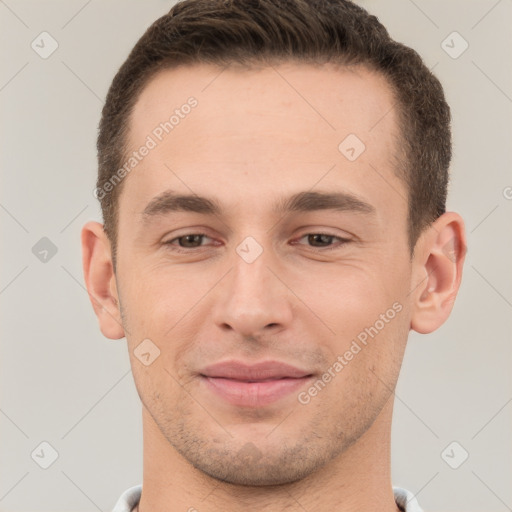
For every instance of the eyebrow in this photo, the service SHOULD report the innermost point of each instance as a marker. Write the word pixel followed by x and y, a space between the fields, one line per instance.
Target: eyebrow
pixel 169 201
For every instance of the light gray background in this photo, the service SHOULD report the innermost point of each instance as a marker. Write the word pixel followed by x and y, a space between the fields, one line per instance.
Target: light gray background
pixel 62 382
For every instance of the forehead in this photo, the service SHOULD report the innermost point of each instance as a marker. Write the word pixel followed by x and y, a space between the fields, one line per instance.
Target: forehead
pixel 329 97
pixel 268 126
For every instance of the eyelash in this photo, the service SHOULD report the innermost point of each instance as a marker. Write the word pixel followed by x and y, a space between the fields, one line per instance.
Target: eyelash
pixel 343 241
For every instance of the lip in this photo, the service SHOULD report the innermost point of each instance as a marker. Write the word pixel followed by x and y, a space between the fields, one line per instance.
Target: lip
pixel 253 385
pixel 263 370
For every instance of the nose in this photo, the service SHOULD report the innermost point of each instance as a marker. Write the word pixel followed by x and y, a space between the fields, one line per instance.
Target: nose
pixel 252 300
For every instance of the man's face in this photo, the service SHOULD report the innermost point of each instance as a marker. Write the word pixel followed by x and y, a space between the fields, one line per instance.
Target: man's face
pixel 256 287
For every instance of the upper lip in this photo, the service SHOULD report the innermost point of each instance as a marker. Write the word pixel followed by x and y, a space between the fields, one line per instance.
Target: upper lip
pixel 263 370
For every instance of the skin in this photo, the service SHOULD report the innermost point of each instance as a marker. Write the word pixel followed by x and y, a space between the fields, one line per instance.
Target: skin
pixel 251 140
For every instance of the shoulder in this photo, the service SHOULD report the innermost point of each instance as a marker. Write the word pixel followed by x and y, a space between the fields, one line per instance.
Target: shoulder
pixel 406 500
pixel 128 499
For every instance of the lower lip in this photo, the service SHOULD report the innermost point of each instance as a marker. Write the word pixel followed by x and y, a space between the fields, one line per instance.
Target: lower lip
pixel 253 394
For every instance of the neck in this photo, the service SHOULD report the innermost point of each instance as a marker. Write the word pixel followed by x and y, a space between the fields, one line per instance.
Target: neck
pixel 358 479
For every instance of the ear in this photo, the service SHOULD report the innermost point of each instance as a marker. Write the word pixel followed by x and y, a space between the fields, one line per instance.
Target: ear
pixel 438 262
pixel 100 279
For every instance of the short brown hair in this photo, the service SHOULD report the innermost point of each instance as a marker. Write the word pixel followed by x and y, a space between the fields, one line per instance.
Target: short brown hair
pixel 247 32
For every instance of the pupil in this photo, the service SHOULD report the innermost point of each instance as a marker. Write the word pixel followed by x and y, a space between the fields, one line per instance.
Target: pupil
pixel 323 238
pixel 191 239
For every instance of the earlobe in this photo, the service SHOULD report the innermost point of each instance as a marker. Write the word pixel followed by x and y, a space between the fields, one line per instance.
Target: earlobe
pixel 438 272
pixel 100 279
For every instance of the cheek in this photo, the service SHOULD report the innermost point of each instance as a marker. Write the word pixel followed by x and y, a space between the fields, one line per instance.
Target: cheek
pixel 164 306
pixel 351 297
pixel 155 299
pixel 368 320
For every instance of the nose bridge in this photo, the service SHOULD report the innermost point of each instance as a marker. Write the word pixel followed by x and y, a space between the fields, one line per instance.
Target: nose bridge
pixel 250 276
pixel 252 298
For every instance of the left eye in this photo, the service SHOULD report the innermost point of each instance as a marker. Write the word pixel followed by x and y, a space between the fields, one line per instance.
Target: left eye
pixel 323 238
